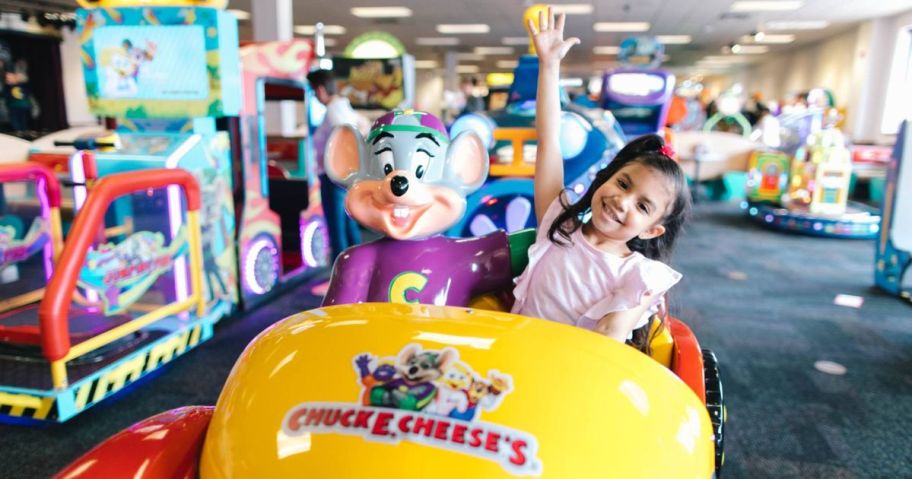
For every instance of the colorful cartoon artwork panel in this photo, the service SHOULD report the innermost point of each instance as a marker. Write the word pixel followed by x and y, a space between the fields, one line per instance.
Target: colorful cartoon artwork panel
pixel 121 273
pixel 14 251
pixel 428 397
pixel 146 62
pixel 160 62
pixel 371 83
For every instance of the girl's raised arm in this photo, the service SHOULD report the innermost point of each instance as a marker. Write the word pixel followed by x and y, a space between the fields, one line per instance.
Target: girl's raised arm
pixel 551 48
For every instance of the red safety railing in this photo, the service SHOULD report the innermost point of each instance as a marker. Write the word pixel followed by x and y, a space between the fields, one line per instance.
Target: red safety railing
pixel 55 306
pixel 32 172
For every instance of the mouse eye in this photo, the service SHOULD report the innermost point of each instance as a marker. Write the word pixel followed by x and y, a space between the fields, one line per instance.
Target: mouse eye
pixel 385 156
pixel 420 159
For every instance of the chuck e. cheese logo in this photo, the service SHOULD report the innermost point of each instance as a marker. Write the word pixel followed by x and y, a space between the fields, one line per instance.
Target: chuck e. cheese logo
pixel 426 397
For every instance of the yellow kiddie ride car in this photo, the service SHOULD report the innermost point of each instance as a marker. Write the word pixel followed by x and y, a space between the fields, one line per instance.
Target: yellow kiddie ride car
pixel 399 390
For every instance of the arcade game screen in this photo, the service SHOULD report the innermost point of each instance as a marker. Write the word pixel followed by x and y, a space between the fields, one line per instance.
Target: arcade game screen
pixel 370 83
pixel 146 62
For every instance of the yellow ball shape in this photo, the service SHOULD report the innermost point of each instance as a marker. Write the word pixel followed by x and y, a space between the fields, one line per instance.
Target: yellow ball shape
pixel 531 13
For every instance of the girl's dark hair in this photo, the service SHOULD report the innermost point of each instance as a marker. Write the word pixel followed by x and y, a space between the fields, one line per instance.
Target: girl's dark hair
pixel 646 150
pixel 642 337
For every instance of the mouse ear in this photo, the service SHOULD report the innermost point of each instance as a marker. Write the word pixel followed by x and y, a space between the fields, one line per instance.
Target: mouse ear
pixel 343 156
pixel 467 162
pixel 408 353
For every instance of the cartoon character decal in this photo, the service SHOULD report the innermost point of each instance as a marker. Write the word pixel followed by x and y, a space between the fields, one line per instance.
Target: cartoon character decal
pixel 409 181
pixel 124 67
pixel 428 397
pixel 16 251
pixel 122 273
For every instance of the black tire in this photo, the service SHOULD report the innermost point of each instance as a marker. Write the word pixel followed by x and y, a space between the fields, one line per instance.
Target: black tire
pixel 715 405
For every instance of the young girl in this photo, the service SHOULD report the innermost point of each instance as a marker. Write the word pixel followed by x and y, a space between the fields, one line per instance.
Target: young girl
pixel 603 273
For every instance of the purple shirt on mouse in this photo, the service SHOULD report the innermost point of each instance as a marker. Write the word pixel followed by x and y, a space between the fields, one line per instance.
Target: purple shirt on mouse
pixel 437 270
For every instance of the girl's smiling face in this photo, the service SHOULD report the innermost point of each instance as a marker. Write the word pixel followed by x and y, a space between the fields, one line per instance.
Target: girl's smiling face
pixel 630 204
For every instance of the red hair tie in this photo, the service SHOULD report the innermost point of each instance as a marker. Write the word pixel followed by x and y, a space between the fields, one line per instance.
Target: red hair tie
pixel 667 150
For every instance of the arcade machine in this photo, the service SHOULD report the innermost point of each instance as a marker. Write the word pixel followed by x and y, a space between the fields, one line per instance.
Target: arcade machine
pixel 372 83
pixel 589 140
pixel 815 201
pixel 81 321
pixel 255 242
pixel 282 233
pixel 767 177
pixel 639 93
pixel 894 246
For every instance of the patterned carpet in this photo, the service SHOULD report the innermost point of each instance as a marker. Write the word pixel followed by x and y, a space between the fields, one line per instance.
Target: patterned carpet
pixel 762 300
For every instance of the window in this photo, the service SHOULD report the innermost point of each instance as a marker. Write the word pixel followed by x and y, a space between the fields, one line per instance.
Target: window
pixel 899 94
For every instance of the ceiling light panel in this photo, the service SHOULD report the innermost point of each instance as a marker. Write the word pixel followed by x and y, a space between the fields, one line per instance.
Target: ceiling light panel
pixel 381 12
pixel 768 38
pixel 312 29
pixel 674 39
pixel 494 51
pixel 606 50
pixel 797 25
pixel 621 26
pixel 752 49
pixel 765 6
pixel 437 41
pixel 240 14
pixel 451 29
pixel 573 8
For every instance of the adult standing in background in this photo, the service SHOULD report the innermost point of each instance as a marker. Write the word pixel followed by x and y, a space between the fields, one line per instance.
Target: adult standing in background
pixel 343 231
pixel 18 97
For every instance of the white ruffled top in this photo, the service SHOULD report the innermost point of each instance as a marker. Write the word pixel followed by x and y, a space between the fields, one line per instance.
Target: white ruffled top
pixel 579 284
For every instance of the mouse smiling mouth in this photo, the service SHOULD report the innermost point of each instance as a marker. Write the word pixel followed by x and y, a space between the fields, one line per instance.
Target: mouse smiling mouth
pixel 401 212
pixel 402 217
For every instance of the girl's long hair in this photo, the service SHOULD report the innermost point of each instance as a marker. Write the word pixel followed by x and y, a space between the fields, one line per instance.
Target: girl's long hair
pixel 646 150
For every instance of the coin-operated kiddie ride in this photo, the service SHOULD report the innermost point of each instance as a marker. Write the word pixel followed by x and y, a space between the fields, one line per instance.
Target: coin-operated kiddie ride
pixel 399 386
pixel 589 140
pixel 183 95
pixel 809 193
pixel 82 320
pixel 894 246
pixel 639 93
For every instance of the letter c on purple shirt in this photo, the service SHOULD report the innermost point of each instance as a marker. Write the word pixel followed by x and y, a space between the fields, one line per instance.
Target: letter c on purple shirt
pixel 405 282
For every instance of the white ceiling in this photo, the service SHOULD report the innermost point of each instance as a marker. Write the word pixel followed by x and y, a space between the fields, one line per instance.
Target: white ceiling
pixel 709 22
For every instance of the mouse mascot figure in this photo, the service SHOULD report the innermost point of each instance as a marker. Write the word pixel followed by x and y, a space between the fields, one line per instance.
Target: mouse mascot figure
pixel 409 181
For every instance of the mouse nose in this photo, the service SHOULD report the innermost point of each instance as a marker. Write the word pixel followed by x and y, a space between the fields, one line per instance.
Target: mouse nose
pixel 399 185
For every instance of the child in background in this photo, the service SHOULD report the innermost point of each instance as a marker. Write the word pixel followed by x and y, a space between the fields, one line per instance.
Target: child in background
pixel 597 263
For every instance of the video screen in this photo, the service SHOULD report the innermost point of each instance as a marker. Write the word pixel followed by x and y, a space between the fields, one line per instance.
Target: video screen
pixel 636 84
pixel 370 83
pixel 151 62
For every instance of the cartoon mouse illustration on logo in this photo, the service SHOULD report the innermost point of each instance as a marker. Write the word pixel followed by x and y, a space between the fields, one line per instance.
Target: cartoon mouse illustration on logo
pixel 409 181
pixel 413 388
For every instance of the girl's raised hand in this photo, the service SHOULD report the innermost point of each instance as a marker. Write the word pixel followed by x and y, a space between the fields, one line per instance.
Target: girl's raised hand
pixel 549 37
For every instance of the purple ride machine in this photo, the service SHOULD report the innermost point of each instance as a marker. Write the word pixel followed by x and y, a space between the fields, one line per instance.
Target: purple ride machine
pixel 639 93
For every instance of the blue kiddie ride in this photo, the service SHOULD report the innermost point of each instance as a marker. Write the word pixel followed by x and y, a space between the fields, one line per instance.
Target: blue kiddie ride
pixel 589 140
